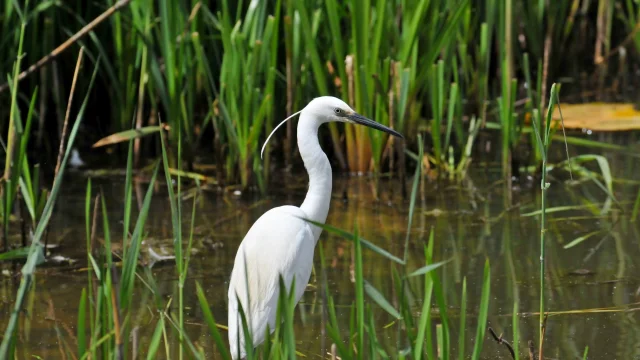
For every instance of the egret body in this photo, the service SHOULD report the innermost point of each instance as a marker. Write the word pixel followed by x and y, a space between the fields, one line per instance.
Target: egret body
pixel 280 242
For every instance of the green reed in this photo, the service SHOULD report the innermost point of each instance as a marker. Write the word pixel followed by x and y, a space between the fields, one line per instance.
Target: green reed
pixel 36 248
pixel 11 175
pixel 215 69
pixel 544 140
pixel 247 76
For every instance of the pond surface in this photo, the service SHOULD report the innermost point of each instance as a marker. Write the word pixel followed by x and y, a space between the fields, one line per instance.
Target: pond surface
pixel 594 287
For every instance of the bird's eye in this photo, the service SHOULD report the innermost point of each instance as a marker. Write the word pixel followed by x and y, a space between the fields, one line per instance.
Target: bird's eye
pixel 337 111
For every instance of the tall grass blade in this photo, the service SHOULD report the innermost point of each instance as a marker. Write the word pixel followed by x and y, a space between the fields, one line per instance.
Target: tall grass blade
pixel 482 312
pixel 516 330
pixel 364 243
pixel 414 194
pixel 36 252
pixel 427 268
pixel 424 324
pixel 156 338
pixel 359 294
pixel 463 320
pixel 379 299
pixel 131 258
pixel 211 323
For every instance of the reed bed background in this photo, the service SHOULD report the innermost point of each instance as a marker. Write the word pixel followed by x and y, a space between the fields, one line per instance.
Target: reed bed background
pixel 164 82
pixel 219 73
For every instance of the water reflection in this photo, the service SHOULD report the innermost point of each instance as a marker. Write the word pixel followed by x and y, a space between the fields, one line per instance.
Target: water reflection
pixel 588 284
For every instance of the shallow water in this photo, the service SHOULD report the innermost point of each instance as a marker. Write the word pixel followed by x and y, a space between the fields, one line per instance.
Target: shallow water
pixel 471 225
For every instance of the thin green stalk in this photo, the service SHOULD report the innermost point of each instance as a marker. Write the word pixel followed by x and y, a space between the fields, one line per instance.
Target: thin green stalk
pixel 483 312
pixel 11 135
pixel 544 186
pixel 14 96
pixel 87 216
pixel 516 330
pixel 359 294
pixel 463 320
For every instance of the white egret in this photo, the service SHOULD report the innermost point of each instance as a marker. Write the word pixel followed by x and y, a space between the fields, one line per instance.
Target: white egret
pixel 280 242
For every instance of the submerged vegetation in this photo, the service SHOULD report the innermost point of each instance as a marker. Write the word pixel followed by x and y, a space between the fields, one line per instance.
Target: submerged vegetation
pixel 164 85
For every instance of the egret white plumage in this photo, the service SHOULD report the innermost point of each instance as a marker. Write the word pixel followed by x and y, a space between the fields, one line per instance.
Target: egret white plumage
pixel 280 242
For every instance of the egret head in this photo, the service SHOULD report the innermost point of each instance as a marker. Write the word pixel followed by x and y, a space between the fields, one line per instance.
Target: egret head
pixel 328 109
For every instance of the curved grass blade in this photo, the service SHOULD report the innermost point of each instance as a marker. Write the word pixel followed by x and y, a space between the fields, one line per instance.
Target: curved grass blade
pixel 211 323
pixel 154 344
pixel 379 299
pixel 414 193
pixel 425 321
pixel 127 135
pixel 428 268
pixel 582 238
pixel 483 311
pixel 15 254
pixel 131 258
pixel 366 244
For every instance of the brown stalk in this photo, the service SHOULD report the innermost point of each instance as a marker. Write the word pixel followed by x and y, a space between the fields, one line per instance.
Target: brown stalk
pixel 134 342
pixel 542 333
pixel 392 119
pixel 63 133
pixel 65 126
pixel 600 34
pixel 618 48
pixel 138 115
pixel 116 312
pixel 350 136
pixel 51 316
pixel 289 107
pixel 73 39
pixel 545 68
pixel 532 352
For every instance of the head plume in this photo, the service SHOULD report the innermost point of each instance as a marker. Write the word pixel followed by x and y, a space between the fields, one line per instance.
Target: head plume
pixel 274 130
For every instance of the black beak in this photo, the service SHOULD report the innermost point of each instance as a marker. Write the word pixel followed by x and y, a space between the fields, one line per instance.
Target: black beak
pixel 359 119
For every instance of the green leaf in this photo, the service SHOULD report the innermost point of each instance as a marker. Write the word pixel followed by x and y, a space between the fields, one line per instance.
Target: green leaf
pixel 154 344
pixel 379 299
pixel 414 194
pixel 349 236
pixel 19 253
pixel 427 268
pixel 483 312
pixel 211 323
pixel 82 331
pixel 582 238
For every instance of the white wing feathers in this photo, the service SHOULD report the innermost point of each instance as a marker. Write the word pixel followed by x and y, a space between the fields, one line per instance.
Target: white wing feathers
pixel 279 242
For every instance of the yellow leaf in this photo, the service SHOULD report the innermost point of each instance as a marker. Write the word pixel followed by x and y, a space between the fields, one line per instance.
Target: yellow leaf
pixel 599 116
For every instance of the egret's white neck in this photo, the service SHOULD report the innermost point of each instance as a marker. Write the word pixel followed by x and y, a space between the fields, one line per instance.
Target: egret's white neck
pixel 316 203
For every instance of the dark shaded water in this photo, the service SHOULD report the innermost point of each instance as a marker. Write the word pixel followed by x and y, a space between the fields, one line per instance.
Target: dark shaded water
pixel 598 308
